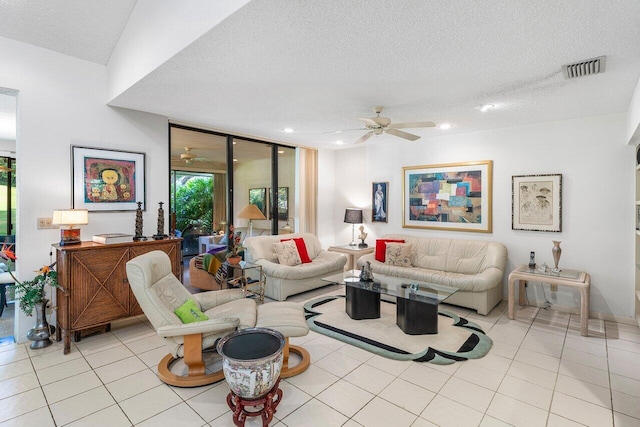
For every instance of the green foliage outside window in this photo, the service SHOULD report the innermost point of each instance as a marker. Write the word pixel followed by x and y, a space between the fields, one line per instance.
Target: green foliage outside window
pixel 194 203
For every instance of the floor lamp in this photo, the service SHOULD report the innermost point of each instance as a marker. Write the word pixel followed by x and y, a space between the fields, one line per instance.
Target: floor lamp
pixel 251 212
pixel 353 216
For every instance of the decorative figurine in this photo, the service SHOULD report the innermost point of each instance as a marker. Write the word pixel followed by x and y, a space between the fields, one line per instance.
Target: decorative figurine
pixel 138 236
pixel 160 232
pixel 365 273
pixel 543 268
pixel 362 236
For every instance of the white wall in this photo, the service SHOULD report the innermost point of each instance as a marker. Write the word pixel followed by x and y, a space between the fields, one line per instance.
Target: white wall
pixel 62 102
pixel 598 186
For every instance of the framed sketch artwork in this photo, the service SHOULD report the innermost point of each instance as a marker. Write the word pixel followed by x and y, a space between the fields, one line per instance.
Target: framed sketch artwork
pixel 379 202
pixel 107 180
pixel 536 202
pixel 455 196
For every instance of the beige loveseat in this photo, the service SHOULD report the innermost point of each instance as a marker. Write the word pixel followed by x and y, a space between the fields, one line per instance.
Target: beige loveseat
pixel 476 267
pixel 283 280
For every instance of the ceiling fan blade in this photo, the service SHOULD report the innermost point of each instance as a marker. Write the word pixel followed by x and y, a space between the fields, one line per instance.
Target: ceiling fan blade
pixel 343 130
pixel 401 134
pixel 413 125
pixel 370 122
pixel 364 137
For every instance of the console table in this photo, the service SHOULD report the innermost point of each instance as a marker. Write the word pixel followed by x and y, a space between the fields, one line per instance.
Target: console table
pixel 352 252
pixel 572 278
pixel 93 287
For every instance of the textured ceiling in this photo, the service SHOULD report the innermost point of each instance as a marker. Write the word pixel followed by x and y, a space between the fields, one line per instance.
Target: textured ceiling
pixel 318 66
pixel 85 29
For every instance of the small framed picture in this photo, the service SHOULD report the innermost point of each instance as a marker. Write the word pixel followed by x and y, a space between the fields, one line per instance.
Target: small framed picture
pixel 258 197
pixel 379 202
pixel 536 202
pixel 107 180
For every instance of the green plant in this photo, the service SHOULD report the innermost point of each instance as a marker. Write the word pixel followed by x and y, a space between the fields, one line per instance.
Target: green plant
pixel 30 292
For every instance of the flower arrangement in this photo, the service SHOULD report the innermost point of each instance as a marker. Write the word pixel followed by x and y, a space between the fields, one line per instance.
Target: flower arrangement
pixel 235 247
pixel 30 292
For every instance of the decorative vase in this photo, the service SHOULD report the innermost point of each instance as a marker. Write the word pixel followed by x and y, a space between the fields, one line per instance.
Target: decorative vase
pixel 556 251
pixel 234 260
pixel 252 361
pixel 39 334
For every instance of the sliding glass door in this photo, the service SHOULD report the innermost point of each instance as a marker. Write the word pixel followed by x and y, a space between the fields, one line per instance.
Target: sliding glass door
pixel 214 176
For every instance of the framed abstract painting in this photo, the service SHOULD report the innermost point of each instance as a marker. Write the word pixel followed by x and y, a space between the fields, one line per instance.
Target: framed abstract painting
pixel 536 202
pixel 455 196
pixel 107 180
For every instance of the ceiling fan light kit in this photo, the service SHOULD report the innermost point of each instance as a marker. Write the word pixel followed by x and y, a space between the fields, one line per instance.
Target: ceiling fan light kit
pixel 189 157
pixel 378 125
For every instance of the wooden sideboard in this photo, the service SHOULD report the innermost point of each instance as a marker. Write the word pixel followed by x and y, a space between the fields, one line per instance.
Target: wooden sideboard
pixel 94 290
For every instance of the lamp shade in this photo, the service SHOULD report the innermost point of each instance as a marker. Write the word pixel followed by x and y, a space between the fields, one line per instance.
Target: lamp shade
pixel 353 216
pixel 70 217
pixel 251 212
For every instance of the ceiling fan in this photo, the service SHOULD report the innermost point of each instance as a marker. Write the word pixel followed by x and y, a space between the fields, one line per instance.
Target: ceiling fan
pixel 189 157
pixel 377 125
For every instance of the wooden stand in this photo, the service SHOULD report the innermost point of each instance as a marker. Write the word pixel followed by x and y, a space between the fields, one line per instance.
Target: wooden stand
pixel 268 403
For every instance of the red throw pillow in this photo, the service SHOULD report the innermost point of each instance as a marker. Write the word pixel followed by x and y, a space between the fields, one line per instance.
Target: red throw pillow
pixel 381 248
pixel 302 249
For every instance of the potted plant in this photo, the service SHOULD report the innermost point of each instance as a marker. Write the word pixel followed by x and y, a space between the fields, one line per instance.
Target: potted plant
pixel 32 297
pixel 234 246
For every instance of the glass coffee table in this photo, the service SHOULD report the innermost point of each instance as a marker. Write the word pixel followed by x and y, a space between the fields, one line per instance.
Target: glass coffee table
pixel 416 301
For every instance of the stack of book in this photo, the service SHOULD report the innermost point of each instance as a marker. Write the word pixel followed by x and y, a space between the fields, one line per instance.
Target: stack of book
pixel 112 238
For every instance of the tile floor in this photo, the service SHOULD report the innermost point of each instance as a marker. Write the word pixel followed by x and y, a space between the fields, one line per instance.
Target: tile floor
pixel 539 372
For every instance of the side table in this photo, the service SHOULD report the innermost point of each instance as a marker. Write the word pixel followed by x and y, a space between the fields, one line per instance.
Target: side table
pixel 572 278
pixel 353 253
pixel 248 276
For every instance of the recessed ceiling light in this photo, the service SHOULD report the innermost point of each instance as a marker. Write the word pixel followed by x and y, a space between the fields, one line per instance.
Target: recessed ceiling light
pixel 445 126
pixel 280 151
pixel 485 107
pixel 340 142
pixel 287 130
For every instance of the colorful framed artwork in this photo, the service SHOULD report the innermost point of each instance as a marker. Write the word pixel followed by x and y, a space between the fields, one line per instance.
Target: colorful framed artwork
pixel 107 180
pixel 454 197
pixel 379 202
pixel 283 203
pixel 258 197
pixel 536 202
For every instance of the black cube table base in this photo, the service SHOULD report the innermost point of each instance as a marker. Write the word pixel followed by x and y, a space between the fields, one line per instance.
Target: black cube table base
pixel 362 303
pixel 416 317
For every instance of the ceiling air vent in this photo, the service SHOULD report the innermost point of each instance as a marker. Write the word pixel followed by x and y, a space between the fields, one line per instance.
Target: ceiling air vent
pixel 584 68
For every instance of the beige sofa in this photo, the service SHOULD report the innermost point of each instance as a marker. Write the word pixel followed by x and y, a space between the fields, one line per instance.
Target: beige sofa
pixel 283 280
pixel 476 267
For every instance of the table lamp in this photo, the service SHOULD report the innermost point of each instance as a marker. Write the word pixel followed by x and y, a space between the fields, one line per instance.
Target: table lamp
pixel 353 216
pixel 67 219
pixel 251 212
